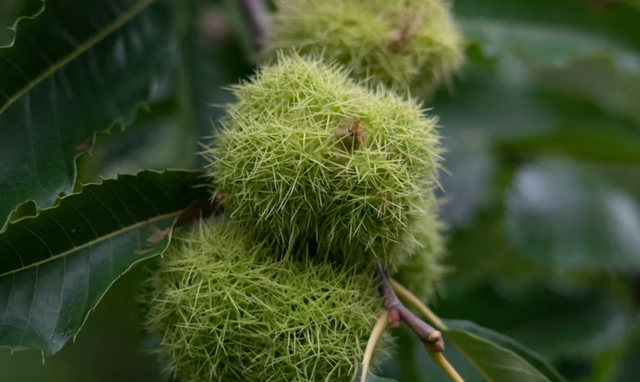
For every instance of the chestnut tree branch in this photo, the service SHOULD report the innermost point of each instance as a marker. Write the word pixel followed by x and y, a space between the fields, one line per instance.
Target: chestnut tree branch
pixel 431 338
pixel 397 313
pixel 258 17
pixel 409 297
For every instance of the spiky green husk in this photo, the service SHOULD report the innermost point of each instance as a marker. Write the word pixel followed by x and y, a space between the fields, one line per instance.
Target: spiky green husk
pixel 397 43
pixel 226 310
pixel 284 170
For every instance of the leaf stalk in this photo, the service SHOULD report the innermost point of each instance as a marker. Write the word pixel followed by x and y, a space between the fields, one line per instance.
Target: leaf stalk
pixel 397 313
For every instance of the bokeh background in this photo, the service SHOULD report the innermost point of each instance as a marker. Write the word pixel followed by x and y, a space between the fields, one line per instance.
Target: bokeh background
pixel 542 188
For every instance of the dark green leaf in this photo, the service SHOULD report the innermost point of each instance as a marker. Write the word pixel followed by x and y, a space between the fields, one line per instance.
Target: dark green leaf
pixel 10 13
pixel 493 257
pixel 111 337
pixel 374 378
pixel 370 377
pixel 553 32
pixel 493 112
pixel 559 319
pixel 629 368
pixel 56 266
pixel 582 129
pixel 486 108
pixel 213 58
pixel 469 169
pixel 561 215
pixel 575 47
pixel 77 69
pixel 498 358
pixel 611 88
pixel 61 33
pixel 411 363
pixel 155 141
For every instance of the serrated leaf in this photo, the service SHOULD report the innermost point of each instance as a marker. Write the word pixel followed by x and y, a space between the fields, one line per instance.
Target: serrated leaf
pixel 75 70
pixel 497 357
pixel 155 141
pixel 55 267
pixel 63 31
pixel 11 12
pixel 560 215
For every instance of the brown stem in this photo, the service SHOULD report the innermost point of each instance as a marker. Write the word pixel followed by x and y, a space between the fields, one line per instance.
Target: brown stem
pixel 258 17
pixel 410 298
pixel 431 338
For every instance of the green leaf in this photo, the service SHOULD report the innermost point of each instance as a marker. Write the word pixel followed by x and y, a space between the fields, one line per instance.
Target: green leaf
pixel 487 107
pixel 629 368
pixel 561 215
pixel 496 111
pixel 370 377
pixel 213 58
pixel 613 89
pixel 56 267
pixel 553 316
pixel 574 48
pixel 498 358
pixel 75 70
pixel 10 14
pixel 62 32
pixel 552 32
pixel 469 168
pixel 155 141
pixel 374 378
pixel 411 363
pixel 112 336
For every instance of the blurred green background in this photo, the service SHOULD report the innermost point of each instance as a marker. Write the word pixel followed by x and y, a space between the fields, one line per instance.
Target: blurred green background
pixel 542 130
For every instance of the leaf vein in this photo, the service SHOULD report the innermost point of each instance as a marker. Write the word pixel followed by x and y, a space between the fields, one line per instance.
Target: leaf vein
pixel 6 307
pixel 30 314
pixel 92 242
pixel 107 30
